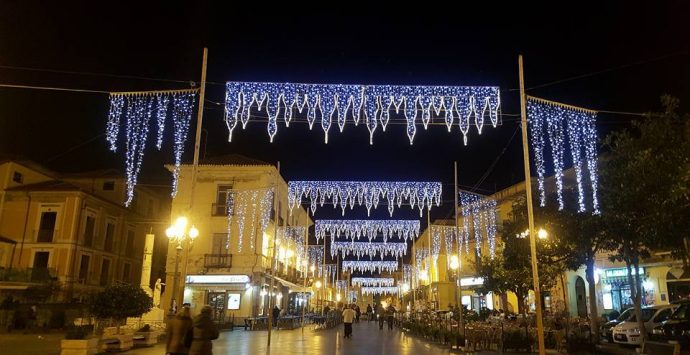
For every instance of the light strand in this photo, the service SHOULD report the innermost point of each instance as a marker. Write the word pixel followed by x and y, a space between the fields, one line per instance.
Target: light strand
pixel 369 249
pixel 355 229
pixel 370 266
pixel 379 290
pixel 373 281
pixel 243 204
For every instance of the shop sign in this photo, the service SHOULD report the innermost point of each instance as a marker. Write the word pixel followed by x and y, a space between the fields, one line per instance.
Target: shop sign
pixel 218 279
pixel 471 281
pixel 621 272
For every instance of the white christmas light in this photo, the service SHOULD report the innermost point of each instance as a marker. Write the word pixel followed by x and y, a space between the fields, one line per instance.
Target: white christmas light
pixel 370 266
pixel 373 281
pixel 377 100
pixel 247 204
pixel 316 255
pixel 344 193
pixel 445 233
pixel 341 286
pixel 330 273
pixel 379 290
pixel 422 259
pixel 480 211
pixel 369 249
pixel 407 274
pixel 355 229
pixel 293 235
pixel 581 135
pixel 138 107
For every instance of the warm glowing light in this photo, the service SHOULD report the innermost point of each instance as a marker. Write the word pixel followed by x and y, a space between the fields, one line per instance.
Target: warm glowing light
pixel 337 297
pixel 424 275
pixel 454 262
pixel 289 253
pixel 305 263
pixel 263 293
pixel 193 232
pixel 171 232
pixel 279 296
pixel 405 287
pixel 181 223
pixel 317 284
pixel 542 234
pixel 312 268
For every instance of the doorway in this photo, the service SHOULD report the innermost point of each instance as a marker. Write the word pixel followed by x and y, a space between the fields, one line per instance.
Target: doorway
pixel 218 300
pixel 581 297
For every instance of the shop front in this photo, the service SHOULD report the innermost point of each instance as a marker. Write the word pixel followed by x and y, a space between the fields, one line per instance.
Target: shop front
pixel 229 295
pixel 615 289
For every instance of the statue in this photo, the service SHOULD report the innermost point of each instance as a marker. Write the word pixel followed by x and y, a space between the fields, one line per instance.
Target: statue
pixel 157 293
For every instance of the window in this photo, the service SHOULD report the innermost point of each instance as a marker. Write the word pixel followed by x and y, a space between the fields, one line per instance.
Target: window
pixel 663 315
pixel 40 267
pixel 125 272
pixel 149 208
pixel 222 197
pixel 18 177
pixel 84 268
pixel 109 236
pixel 89 229
pixel 108 185
pixel 129 246
pixel 219 242
pixel 105 271
pixel 46 227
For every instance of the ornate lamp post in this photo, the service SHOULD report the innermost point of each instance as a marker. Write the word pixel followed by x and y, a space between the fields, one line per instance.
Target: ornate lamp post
pixel 178 233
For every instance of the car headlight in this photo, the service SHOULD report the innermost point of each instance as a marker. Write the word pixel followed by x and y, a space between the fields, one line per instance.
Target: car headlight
pixel 634 331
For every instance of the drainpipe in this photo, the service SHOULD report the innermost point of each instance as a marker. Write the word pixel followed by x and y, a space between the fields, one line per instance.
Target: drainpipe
pixel 26 222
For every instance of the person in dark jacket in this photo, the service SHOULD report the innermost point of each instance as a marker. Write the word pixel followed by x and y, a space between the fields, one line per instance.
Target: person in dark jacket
pixel 390 317
pixel 370 313
pixel 204 331
pixel 276 315
pixel 176 331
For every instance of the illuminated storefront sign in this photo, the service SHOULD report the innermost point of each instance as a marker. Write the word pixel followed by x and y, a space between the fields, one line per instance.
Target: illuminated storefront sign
pixel 621 272
pixel 218 279
pixel 471 281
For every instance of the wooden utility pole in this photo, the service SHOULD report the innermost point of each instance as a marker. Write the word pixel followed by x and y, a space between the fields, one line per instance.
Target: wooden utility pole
pixel 530 209
pixel 461 320
pixel 199 123
pixel 276 218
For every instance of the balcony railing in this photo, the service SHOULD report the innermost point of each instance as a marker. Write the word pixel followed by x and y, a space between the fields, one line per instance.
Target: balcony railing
pixel 33 275
pixel 217 261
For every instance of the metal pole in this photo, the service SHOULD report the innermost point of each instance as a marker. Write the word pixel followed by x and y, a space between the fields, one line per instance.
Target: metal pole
pixel 276 189
pixel 323 276
pixel 530 210
pixel 461 320
pixel 428 239
pixel 174 288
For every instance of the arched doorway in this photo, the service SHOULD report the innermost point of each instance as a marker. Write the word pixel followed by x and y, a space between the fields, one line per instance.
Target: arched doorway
pixel 580 295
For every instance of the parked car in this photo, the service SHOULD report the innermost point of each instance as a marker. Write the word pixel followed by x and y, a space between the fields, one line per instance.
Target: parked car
pixel 606 329
pixel 676 327
pixel 629 332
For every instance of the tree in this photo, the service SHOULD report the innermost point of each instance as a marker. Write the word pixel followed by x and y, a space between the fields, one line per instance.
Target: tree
pixel 119 301
pixel 511 268
pixel 646 204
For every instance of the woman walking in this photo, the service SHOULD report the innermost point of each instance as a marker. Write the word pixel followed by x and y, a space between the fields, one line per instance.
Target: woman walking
pixel 176 331
pixel 204 331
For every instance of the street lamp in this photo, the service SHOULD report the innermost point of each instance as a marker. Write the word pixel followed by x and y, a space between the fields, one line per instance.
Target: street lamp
pixel 317 284
pixel 179 233
pixel 454 266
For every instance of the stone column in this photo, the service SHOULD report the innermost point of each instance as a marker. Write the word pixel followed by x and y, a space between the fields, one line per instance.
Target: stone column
pixel 146 264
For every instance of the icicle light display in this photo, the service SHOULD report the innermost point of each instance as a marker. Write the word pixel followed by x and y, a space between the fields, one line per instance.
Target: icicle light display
pixel 138 108
pixel 370 266
pixel 379 290
pixel 316 255
pixel 479 216
pixel 341 286
pixel 422 259
pixel 447 235
pixel 373 281
pixel 467 104
pixel 552 122
pixel 294 237
pixel 369 193
pixel 357 228
pixel 330 274
pixel 247 204
pixel 407 274
pixel 369 249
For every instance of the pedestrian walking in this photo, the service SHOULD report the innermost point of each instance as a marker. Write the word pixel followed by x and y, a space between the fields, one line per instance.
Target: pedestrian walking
pixel 370 313
pixel 390 317
pixel 349 315
pixel 204 332
pixel 380 315
pixel 179 333
pixel 358 312
pixel 276 315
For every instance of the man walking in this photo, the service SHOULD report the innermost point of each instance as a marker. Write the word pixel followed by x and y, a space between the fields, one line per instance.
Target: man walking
pixel 348 316
pixel 370 313
pixel 381 316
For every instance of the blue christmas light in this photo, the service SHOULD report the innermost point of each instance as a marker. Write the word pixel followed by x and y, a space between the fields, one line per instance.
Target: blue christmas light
pixel 343 193
pixel 377 100
pixel 369 266
pixel 369 249
pixel 480 211
pixel 379 290
pixel 373 281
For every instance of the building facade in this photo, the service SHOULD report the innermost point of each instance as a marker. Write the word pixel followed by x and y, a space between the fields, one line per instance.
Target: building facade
pixel 70 233
pixel 228 266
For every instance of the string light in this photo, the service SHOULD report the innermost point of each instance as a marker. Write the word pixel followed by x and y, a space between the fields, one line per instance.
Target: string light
pixel 355 229
pixel 341 286
pixel 247 203
pixel 581 135
pixel 373 281
pixel 331 271
pixel 370 249
pixel 294 235
pixel 445 233
pixel 316 255
pixel 480 211
pixel 435 247
pixel 379 290
pixel 421 255
pixel 378 102
pixel 344 193
pixel 370 266
pixel 137 108
pixel 407 273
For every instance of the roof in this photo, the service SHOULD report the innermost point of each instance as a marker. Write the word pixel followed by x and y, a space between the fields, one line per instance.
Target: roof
pixel 232 159
pixel 103 173
pixel 6 158
pixel 52 185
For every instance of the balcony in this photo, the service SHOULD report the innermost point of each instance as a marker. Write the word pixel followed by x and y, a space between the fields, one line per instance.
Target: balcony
pixel 217 261
pixel 28 275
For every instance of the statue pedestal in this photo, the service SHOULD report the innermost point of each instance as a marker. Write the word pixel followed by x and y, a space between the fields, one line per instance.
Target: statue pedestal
pixel 155 318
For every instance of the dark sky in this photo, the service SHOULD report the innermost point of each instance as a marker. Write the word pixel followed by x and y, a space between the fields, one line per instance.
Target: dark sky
pixel 646 45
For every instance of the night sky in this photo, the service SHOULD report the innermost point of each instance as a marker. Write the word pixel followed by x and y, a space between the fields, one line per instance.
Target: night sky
pixel 628 55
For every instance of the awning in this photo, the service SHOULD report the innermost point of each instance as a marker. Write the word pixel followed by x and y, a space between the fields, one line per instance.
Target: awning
pixel 289 284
